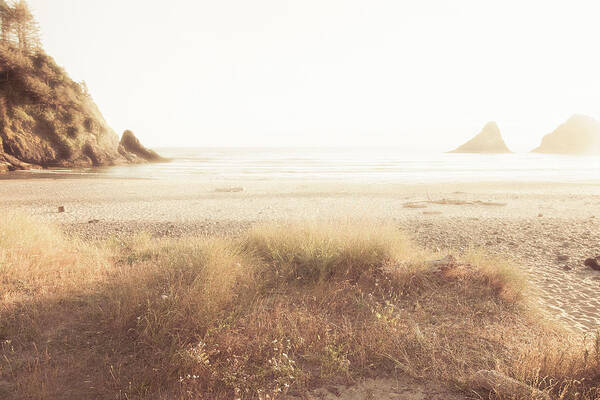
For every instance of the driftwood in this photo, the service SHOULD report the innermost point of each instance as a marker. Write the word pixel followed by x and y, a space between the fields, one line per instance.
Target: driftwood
pixel 505 386
pixel 229 190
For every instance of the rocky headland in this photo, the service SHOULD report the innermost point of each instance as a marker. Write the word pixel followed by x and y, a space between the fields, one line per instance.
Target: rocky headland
pixel 48 120
pixel 580 134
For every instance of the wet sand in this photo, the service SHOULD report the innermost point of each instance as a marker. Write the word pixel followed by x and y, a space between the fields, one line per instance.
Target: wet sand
pixel 548 229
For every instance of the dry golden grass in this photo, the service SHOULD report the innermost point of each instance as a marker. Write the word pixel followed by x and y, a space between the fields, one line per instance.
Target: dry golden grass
pixel 281 309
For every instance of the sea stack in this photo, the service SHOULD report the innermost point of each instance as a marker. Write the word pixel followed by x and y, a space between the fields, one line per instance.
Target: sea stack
pixel 580 134
pixel 489 141
pixel 131 148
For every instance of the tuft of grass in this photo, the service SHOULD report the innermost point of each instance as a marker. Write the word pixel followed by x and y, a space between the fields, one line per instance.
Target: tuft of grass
pixel 310 253
pixel 279 310
pixel 36 260
pixel 499 274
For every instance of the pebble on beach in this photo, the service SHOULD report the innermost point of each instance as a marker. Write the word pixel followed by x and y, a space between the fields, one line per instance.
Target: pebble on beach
pixel 593 263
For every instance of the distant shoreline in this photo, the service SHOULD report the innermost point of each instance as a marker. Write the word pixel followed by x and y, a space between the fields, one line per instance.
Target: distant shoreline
pixel 378 165
pixel 83 176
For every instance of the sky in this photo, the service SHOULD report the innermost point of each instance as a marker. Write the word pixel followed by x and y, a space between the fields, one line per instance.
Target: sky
pixel 418 75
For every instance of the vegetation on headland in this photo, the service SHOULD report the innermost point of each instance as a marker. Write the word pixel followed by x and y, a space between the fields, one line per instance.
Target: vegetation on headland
pixel 278 310
pixel 18 26
pixel 47 119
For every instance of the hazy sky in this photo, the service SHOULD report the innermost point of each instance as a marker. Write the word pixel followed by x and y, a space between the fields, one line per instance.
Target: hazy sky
pixel 420 73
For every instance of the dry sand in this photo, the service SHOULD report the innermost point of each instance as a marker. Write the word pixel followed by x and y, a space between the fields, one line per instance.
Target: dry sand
pixel 384 389
pixel 547 229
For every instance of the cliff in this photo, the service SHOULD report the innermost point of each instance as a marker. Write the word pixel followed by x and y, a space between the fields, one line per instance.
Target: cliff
pixel 489 140
pixel 580 134
pixel 48 120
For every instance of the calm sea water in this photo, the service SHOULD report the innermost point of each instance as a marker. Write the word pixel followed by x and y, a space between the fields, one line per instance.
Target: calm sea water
pixel 354 164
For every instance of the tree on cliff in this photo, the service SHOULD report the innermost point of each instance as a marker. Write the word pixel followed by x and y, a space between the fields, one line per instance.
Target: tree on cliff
pixel 19 26
pixel 27 28
pixel 5 21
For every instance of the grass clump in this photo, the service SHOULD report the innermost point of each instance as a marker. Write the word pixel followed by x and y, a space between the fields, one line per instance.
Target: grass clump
pixel 280 310
pixel 311 253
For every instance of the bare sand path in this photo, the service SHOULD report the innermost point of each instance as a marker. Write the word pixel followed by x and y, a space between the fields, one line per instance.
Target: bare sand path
pixel 385 389
pixel 547 228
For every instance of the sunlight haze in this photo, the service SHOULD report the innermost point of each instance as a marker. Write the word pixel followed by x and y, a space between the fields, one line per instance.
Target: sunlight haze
pixel 423 75
pixel 299 199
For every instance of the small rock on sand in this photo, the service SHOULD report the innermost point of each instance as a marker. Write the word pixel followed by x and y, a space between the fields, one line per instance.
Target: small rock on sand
pixel 593 263
pixel 61 209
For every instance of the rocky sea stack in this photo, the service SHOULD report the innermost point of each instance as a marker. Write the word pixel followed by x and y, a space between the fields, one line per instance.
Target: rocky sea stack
pixel 580 134
pixel 489 140
pixel 131 148
pixel 47 119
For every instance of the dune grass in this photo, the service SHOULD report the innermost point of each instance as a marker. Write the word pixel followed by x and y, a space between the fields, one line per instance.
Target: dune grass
pixel 279 310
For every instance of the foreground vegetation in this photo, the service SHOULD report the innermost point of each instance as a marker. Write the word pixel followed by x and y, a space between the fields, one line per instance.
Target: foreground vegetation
pixel 277 311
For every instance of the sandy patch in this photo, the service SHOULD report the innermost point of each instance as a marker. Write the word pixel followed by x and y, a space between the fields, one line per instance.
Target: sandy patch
pixel 384 389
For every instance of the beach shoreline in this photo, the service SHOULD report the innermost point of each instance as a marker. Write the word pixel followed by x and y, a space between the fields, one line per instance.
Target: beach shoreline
pixel 548 229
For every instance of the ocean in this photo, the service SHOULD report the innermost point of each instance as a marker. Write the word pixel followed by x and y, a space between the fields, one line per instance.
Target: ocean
pixel 349 164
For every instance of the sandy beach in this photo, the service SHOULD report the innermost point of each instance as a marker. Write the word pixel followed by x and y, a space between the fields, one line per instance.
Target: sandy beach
pixel 546 229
